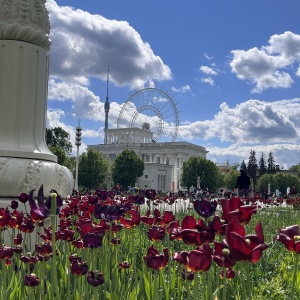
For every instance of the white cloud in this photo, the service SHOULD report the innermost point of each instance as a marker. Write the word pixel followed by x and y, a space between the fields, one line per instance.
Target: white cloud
pixel 268 67
pixel 83 45
pixel 251 122
pixel 285 155
pixel 207 80
pixel 207 70
pixel 182 89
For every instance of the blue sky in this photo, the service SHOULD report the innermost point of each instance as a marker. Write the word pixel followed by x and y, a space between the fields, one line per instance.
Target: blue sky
pixel 231 67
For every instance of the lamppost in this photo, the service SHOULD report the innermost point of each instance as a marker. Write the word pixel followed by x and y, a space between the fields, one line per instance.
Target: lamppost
pixel 77 143
pixel 198 182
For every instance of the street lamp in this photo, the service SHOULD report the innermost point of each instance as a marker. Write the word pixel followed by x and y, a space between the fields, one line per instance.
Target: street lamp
pixel 198 182
pixel 77 143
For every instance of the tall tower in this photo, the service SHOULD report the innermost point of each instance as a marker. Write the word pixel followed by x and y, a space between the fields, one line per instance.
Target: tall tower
pixel 106 108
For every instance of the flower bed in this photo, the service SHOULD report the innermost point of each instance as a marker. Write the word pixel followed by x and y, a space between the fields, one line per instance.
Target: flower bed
pixel 148 245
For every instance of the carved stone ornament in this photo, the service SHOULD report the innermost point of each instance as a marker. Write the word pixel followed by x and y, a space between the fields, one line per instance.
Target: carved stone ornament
pixel 25 20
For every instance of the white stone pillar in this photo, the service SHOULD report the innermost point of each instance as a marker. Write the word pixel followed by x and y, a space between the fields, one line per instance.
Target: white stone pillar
pixel 25 160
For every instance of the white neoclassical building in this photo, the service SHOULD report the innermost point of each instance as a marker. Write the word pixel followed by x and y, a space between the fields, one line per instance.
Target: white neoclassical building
pixel 163 160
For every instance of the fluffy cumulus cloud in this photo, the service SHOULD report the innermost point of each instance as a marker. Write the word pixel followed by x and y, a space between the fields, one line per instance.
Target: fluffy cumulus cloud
pixel 251 122
pixel 261 126
pixel 269 66
pixel 83 45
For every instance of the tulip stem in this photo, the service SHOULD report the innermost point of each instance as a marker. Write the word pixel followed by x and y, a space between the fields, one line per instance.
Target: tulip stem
pixel 53 228
pixel 248 280
pixel 224 283
pixel 295 275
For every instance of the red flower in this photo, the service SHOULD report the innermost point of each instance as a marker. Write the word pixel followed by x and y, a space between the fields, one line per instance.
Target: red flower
pixel 79 267
pixel 205 208
pixel 23 198
pixel 199 259
pixel 154 260
pixel 290 237
pixel 95 278
pixel 187 275
pixel 31 280
pixel 229 273
pixel 234 209
pixel 150 194
pixel 134 221
pixel 244 247
pixel 156 233
pixel 124 265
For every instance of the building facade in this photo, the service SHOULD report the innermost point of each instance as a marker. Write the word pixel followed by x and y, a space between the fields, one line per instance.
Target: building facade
pixel 163 161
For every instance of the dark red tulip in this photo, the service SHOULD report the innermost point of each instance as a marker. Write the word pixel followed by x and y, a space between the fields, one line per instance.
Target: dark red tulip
pixel 18 239
pixel 139 199
pixel 196 260
pixel 150 194
pixel 217 225
pixel 154 260
pixel 6 252
pixel 102 194
pixel 40 213
pixel 95 278
pixel 290 237
pixel 108 212
pixel 14 204
pixel 78 244
pixel 93 240
pixel 23 198
pixel 187 275
pixel 156 233
pixel 124 265
pixel 234 209
pixel 79 267
pixel 222 256
pixel 205 208
pixel 230 274
pixel 29 259
pixel 134 221
pixel 244 247
pixel 31 280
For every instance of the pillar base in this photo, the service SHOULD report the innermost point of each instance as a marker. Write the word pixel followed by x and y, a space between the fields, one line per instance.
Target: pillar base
pixel 22 175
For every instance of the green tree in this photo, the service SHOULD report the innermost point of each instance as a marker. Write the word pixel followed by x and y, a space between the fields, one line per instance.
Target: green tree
pixel 230 179
pixel 209 173
pixel 262 169
pixel 271 164
pixel 278 181
pixel 57 137
pixel 252 167
pixel 295 168
pixel 126 168
pixel 243 166
pixel 92 170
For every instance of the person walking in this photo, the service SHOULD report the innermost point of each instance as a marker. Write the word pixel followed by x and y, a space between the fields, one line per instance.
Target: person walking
pixel 243 183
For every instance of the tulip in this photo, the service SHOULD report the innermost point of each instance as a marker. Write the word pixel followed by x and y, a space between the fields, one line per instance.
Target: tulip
pixel 108 212
pixel 93 240
pixel 23 197
pixel 205 208
pixel 244 247
pixel 154 260
pixel 156 233
pixel 196 260
pixel 95 278
pixel 79 267
pixel 40 213
pixel 290 237
pixel 31 280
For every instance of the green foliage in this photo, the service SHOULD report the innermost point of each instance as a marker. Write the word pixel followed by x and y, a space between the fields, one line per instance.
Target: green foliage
pixel 295 168
pixel 243 166
pixel 57 137
pixel 262 169
pixel 209 173
pixel 278 180
pixel 271 164
pixel 252 167
pixel 92 169
pixel 127 168
pixel 230 179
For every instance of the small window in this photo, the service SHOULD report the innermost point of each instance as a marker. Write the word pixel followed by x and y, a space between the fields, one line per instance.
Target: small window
pixel 158 160
pixel 112 157
pixel 147 158
pixel 146 185
pixel 146 176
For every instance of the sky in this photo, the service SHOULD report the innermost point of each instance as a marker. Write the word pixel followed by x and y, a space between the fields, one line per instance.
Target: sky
pixel 230 71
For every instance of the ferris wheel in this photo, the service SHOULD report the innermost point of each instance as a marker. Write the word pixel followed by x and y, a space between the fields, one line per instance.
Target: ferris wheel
pixel 156 109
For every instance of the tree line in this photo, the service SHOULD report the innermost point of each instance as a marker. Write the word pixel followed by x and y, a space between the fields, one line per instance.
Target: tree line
pixel 94 168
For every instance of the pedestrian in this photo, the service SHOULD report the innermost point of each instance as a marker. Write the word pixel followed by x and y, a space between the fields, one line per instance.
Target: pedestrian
pixel 243 183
